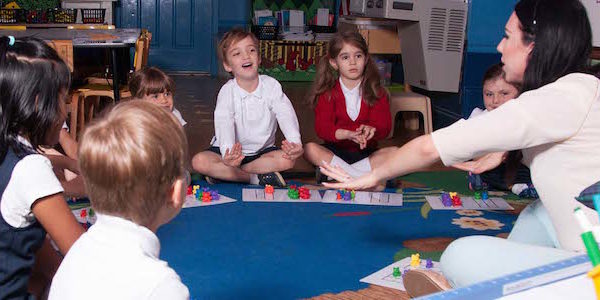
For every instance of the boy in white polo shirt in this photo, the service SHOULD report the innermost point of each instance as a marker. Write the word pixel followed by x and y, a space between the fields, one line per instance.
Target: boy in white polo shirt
pixel 133 165
pixel 248 109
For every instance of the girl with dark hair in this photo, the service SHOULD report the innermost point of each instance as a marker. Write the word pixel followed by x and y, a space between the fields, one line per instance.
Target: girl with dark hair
pixel 33 85
pixel 555 122
pixel 352 110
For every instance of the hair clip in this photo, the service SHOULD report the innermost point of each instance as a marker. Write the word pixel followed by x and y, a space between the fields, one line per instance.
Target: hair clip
pixel 11 40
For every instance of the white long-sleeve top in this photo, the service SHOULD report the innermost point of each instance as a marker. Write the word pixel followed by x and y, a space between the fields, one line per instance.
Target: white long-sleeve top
pixel 558 128
pixel 251 118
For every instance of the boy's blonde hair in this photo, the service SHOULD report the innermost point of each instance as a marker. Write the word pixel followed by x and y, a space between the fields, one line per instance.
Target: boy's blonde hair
pixel 130 158
pixel 148 81
pixel 231 37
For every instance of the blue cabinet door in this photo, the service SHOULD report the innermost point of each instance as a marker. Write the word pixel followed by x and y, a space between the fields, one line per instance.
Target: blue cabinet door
pixel 182 31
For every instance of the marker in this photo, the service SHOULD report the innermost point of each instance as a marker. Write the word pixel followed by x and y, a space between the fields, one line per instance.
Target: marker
pixel 588 237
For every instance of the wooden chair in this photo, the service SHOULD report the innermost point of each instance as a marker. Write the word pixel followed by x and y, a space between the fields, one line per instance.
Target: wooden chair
pixel 413 102
pixel 13 27
pixel 64 48
pixel 94 91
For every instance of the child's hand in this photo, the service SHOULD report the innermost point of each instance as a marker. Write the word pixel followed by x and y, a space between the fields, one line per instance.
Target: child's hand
pixel 367 131
pixel 234 157
pixel 361 141
pixel 62 162
pixel 343 134
pixel 291 150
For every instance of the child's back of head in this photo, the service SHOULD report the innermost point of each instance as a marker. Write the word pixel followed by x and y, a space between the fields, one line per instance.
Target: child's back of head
pixel 130 159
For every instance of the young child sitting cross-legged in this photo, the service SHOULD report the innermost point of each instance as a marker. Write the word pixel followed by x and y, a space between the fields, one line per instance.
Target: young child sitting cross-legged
pixel 352 111
pixel 133 162
pixel 248 109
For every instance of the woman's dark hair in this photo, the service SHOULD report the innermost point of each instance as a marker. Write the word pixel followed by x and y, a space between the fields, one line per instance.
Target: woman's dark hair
pixel 327 77
pixel 562 35
pixel 32 79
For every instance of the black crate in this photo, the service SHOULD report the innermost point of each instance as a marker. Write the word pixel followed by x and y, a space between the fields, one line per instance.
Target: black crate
pixel 322 29
pixel 36 16
pixel 93 15
pixel 11 16
pixel 265 32
pixel 63 15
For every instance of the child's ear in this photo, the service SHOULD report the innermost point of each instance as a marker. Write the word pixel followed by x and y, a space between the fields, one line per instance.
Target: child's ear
pixel 333 63
pixel 227 67
pixel 177 193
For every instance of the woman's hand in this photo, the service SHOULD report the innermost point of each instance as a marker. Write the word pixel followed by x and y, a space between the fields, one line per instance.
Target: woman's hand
pixel 482 164
pixel 365 182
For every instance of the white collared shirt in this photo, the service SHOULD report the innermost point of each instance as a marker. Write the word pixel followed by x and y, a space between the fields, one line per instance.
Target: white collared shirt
pixel 177 115
pixel 251 118
pixel 20 194
pixel 116 259
pixel 353 98
pixel 557 126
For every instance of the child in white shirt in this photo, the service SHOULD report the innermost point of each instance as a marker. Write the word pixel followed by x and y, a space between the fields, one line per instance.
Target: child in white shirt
pixel 153 85
pixel 511 175
pixel 248 109
pixel 133 162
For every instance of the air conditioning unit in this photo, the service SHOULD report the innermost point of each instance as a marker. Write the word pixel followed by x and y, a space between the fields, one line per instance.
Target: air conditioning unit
pixel 432 34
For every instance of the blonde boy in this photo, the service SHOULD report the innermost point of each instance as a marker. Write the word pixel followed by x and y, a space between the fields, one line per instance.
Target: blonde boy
pixel 133 165
pixel 248 109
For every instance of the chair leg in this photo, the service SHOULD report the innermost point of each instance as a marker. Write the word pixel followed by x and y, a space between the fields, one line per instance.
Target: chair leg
pixel 74 107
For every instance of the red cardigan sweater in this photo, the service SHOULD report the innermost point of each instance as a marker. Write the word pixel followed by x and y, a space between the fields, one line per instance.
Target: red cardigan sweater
pixel 331 115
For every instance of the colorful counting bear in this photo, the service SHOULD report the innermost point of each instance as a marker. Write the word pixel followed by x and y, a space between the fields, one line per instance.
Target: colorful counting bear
pixel 214 195
pixel 304 193
pixel 477 195
pixel 269 190
pixel 456 201
pixel 345 195
pixel 293 192
pixel 484 195
pixel 397 272
pixel 206 197
pixel 189 190
pixel 83 213
pixel 429 263
pixel 446 200
pixel 415 260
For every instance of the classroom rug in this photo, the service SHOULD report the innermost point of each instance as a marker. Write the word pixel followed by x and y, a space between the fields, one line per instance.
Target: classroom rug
pixel 250 250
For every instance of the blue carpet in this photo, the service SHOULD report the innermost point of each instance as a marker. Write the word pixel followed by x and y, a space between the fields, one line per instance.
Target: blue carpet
pixel 295 250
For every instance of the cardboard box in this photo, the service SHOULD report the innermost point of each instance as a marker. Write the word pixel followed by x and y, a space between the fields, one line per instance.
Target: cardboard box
pixel 381 36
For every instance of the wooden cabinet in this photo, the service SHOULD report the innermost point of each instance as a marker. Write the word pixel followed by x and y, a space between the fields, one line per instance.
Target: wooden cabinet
pixel 65 50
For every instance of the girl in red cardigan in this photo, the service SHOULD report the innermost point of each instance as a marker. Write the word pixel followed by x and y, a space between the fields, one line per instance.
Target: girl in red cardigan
pixel 351 108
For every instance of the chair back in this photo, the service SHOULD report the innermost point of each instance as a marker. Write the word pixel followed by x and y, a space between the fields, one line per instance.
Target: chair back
pixel 142 50
pixel 13 27
pixel 64 48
